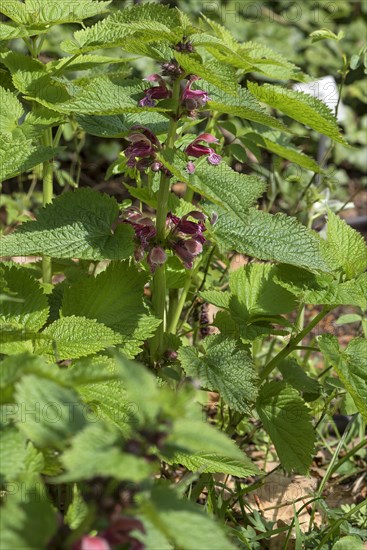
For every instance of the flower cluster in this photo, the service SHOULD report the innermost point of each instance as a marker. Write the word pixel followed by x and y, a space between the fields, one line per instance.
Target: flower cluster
pixel 145 234
pixel 186 237
pixel 144 146
pixel 156 92
pixel 172 68
pixel 185 46
pixel 197 149
pixel 192 100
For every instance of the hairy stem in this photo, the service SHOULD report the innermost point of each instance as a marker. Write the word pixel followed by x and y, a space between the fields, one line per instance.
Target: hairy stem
pixel 159 279
pixel 293 343
pixel 47 189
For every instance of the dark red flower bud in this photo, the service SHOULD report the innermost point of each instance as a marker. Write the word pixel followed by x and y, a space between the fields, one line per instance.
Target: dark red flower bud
pixel 144 145
pixel 184 47
pixel 156 92
pixel 172 68
pixel 156 257
pixel 193 99
pixel 197 149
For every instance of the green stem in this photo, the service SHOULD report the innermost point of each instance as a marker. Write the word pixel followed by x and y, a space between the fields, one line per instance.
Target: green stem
pixel 293 343
pixel 159 279
pixel 47 187
pixel 172 327
pixel 189 194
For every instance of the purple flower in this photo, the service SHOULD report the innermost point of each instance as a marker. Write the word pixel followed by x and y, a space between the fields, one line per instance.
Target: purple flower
pixel 92 543
pixel 197 149
pixel 172 68
pixel 156 92
pixel 193 99
pixel 144 145
pixel 156 257
pixel 186 237
pixel 214 159
pixel 144 228
pixel 187 251
pixel 190 168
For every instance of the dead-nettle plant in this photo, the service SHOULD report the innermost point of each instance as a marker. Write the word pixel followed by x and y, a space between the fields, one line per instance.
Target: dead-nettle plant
pixel 137 280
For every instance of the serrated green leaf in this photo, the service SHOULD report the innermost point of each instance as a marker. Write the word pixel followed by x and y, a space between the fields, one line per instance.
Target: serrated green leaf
pixel 220 75
pixel 51 12
pixel 256 290
pixel 27 506
pixel 114 298
pixel 350 365
pixel 128 29
pixel 248 326
pixel 271 237
pixel 302 107
pixel 77 510
pixel 15 10
pixel 133 343
pixel 222 33
pixel 215 463
pixel 217 298
pixel 277 143
pixel 48 414
pixel 9 31
pixel 294 375
pixel 11 111
pixel 235 192
pixel 29 307
pixel 171 516
pixel 75 225
pixel 223 368
pixel 37 120
pixel 73 337
pixel 222 185
pixel 345 247
pixel 288 422
pixel 17 154
pixel 323 34
pixel 120 125
pixel 85 62
pixel 96 451
pixel 242 104
pixel 105 94
pixel 323 288
pixel 269 62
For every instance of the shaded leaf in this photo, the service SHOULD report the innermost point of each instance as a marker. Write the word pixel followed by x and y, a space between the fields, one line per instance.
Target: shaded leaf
pixel 350 364
pixel 288 422
pixel 223 368
pixel 75 225
pixel 73 337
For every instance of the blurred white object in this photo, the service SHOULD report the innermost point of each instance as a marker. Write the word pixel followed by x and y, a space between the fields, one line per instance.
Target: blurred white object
pixel 320 207
pixel 325 89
